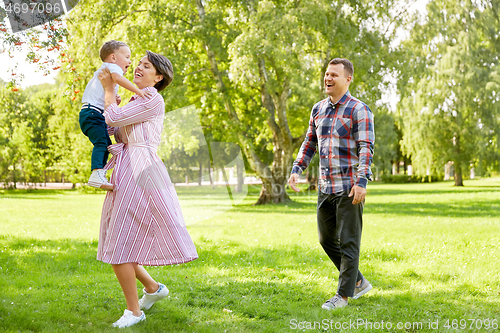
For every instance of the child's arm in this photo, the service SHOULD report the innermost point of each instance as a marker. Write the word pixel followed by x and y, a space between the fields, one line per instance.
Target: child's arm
pixel 122 81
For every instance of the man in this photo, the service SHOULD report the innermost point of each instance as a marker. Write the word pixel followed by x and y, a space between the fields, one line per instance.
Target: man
pixel 343 127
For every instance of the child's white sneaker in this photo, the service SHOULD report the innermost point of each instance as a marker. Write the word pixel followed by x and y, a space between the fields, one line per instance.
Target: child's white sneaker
pixel 147 301
pixel 98 180
pixel 128 319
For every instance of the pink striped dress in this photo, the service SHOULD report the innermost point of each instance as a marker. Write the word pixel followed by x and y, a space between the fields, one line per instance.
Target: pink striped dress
pixel 141 219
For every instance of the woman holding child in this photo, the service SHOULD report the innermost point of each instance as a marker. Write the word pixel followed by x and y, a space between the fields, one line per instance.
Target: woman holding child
pixel 141 222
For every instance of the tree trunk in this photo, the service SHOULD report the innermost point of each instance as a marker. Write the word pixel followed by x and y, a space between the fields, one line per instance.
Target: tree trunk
pixel 14 175
pixel 456 163
pixel 458 175
pixel 272 176
pixel 273 191
pixel 240 168
pixel 312 178
pixel 210 177
pixel 200 175
pixel 210 170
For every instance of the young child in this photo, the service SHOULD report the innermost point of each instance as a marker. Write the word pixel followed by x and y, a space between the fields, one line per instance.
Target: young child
pixel 116 58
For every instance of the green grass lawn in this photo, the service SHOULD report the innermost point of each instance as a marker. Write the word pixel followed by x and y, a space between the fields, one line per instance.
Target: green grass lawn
pixel 431 251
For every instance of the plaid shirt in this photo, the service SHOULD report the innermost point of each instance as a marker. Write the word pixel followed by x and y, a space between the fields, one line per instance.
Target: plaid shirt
pixel 345 134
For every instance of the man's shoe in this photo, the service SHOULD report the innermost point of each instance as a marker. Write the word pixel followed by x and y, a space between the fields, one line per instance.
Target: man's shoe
pixel 335 302
pixel 98 180
pixel 147 300
pixel 362 289
pixel 128 319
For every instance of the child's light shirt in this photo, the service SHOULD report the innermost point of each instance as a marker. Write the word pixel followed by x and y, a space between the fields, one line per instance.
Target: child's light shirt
pixel 94 92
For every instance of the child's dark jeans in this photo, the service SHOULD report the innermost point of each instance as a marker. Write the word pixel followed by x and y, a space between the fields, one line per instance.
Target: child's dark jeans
pixel 94 126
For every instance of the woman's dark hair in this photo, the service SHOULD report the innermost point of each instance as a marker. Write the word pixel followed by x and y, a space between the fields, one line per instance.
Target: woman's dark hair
pixel 163 67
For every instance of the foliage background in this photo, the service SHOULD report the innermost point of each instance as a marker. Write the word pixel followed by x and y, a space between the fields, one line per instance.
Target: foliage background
pixel 253 70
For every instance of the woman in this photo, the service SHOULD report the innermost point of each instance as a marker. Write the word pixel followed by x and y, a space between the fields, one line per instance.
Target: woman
pixel 141 222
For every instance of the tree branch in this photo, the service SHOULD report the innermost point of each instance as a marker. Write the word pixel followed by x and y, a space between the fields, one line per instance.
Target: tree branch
pixel 125 16
pixel 404 10
pixel 245 143
pixel 188 23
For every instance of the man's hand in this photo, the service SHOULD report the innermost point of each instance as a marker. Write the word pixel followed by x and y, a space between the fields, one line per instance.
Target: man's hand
pixel 118 99
pixel 294 178
pixel 359 194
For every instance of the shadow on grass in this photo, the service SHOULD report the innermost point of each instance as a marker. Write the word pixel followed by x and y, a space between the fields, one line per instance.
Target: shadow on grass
pixel 58 286
pixel 465 190
pixel 34 194
pixel 474 209
pixel 288 208
pixel 490 208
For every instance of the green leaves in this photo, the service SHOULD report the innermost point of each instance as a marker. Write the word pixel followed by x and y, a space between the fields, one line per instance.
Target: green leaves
pixel 453 63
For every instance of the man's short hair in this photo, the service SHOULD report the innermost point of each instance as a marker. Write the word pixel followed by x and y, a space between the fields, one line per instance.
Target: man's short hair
pixel 109 48
pixel 163 67
pixel 348 67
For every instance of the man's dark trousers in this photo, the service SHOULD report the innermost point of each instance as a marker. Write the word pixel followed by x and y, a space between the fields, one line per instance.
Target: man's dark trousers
pixel 94 126
pixel 339 227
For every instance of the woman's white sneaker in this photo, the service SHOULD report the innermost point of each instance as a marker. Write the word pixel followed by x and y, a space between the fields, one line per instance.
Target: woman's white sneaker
pixel 147 300
pixel 128 319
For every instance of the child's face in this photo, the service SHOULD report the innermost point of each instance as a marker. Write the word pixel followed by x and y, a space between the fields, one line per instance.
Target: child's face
pixel 122 58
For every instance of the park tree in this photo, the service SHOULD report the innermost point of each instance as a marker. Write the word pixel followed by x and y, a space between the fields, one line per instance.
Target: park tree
pixel 39 136
pixel 38 157
pixel 13 115
pixel 253 68
pixel 386 143
pixel 71 149
pixel 37 30
pixel 450 87
pixel 183 147
pixel 27 126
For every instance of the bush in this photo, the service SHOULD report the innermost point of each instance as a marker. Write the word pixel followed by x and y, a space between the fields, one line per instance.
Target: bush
pixel 402 179
pixel 86 189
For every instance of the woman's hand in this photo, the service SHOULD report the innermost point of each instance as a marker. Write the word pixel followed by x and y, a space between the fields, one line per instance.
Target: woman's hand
pixel 106 80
